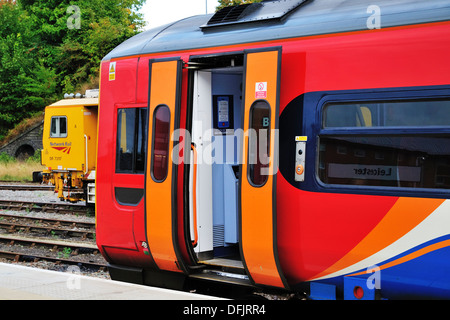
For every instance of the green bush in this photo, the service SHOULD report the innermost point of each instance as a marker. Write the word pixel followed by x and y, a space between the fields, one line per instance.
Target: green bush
pixel 6 158
pixel 36 157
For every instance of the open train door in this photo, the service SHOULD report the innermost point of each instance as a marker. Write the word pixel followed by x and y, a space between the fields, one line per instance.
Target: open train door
pixel 161 171
pixel 259 166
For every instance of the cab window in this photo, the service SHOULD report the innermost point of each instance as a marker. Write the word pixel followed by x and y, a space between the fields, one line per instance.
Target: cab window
pixel 58 128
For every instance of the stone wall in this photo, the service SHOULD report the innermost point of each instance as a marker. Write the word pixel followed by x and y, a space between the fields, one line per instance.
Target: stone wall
pixel 25 144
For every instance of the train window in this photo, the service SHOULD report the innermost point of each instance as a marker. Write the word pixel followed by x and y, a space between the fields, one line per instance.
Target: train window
pixel 131 133
pixel 141 135
pixel 409 113
pixel 259 143
pixel 161 140
pixel 58 127
pixel 409 154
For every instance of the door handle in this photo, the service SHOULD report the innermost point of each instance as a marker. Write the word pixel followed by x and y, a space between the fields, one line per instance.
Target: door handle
pixel 194 195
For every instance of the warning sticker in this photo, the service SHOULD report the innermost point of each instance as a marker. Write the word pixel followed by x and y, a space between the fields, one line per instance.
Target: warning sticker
pixel 112 71
pixel 261 90
pixel 301 138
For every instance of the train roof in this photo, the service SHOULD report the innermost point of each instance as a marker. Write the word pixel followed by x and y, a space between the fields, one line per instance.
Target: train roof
pixel 280 19
pixel 87 102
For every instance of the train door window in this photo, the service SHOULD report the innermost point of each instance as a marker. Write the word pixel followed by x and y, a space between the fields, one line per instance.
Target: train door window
pixel 58 127
pixel 161 139
pixel 408 144
pixel 141 139
pixel 131 133
pixel 259 143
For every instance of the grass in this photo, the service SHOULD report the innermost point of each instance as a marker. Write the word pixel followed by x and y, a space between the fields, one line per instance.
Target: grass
pixel 19 171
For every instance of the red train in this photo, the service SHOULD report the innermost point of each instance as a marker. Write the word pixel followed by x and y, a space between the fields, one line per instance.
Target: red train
pixel 294 145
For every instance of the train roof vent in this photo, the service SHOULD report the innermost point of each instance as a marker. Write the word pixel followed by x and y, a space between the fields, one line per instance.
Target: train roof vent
pixel 231 14
pixel 266 10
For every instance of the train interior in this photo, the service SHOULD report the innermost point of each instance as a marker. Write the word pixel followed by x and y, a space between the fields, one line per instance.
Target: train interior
pixel 217 138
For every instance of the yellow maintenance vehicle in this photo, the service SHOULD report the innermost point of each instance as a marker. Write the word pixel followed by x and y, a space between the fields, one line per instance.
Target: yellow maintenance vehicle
pixel 69 147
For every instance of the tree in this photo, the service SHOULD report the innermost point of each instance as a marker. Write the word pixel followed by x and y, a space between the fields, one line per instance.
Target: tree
pixel 75 35
pixel 227 3
pixel 51 47
pixel 25 83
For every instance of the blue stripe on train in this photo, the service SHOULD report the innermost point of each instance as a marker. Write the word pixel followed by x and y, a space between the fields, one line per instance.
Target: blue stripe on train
pixel 424 277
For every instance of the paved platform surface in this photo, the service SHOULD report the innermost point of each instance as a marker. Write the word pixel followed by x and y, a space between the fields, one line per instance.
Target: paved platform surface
pixel 26 283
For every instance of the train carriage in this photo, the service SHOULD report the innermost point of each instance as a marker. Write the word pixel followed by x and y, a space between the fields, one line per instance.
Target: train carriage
pixel 69 147
pixel 293 145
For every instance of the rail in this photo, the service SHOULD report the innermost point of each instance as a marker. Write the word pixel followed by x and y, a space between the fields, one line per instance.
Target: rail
pixel 51 207
pixel 23 187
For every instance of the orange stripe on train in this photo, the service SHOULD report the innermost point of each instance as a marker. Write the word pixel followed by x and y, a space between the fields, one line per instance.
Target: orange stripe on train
pixel 405 215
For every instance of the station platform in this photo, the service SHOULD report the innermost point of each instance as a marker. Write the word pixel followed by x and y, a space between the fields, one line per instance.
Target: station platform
pixel 25 283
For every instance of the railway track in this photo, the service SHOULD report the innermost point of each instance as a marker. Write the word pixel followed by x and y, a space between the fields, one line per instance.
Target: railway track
pixel 49 207
pixel 53 233
pixel 26 187
pixel 47 226
pixel 17 248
